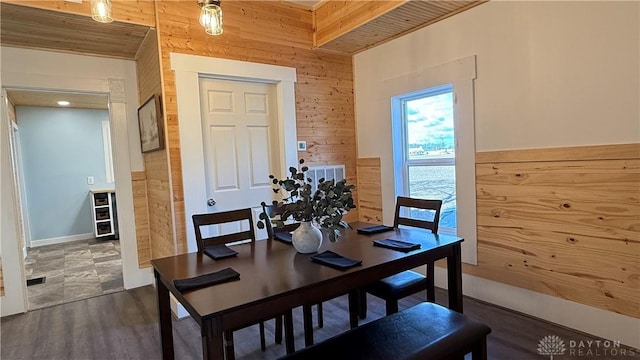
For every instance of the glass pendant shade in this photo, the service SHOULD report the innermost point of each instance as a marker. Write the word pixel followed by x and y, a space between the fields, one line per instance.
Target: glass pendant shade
pixel 211 18
pixel 101 11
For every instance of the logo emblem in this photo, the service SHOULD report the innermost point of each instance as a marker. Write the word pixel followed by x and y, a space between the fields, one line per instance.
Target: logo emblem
pixel 551 345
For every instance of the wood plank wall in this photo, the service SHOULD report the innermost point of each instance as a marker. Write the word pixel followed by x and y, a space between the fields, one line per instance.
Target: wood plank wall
pixel 141 214
pixel 370 190
pixel 262 32
pixel 564 222
pixel 148 73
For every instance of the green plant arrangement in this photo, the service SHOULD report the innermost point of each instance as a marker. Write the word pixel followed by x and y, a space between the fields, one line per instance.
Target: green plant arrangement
pixel 325 207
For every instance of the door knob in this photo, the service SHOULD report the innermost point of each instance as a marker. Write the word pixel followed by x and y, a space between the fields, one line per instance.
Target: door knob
pixel 211 202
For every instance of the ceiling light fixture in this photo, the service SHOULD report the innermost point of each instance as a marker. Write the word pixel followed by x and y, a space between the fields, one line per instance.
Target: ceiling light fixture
pixel 63 103
pixel 211 16
pixel 101 11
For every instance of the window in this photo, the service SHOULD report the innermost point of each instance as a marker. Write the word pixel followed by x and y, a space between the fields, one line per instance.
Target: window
pixel 428 149
pixel 448 88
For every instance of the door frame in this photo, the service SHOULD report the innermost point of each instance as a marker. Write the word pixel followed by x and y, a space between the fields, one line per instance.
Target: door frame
pixel 133 276
pixel 188 69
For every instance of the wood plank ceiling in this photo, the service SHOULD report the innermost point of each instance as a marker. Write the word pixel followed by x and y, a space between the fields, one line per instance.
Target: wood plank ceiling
pixel 33 28
pixel 401 20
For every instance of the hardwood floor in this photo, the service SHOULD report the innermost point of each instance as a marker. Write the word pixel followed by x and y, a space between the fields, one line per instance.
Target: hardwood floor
pixel 123 325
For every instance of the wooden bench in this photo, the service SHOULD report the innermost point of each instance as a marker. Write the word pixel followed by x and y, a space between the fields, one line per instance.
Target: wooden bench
pixel 425 331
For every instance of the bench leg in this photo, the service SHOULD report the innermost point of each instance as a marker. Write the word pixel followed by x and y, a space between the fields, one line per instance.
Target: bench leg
pixel 392 306
pixel 480 350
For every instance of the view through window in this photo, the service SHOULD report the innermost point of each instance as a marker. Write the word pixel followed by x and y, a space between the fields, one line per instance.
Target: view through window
pixel 429 146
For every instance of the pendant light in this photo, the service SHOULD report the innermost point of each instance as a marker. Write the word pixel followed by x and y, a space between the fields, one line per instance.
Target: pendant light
pixel 211 16
pixel 101 11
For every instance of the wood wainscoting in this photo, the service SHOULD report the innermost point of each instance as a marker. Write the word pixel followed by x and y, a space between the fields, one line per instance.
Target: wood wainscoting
pixel 141 213
pixel 562 221
pixel 370 190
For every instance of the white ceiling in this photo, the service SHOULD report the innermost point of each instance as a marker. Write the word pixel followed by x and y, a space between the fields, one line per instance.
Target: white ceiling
pixel 51 98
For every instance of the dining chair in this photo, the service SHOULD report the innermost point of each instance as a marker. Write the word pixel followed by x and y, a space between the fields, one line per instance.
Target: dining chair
pixel 272 211
pixel 398 286
pixel 234 216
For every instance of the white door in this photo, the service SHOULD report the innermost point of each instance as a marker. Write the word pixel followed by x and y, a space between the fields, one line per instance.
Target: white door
pixel 240 141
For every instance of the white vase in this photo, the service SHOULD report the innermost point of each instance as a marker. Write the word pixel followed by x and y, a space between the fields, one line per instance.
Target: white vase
pixel 306 238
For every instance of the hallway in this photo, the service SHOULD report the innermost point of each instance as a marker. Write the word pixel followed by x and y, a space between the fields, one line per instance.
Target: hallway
pixel 73 271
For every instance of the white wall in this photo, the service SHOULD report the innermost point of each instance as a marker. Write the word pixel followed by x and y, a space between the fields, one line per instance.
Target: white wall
pixel 549 74
pixel 57 71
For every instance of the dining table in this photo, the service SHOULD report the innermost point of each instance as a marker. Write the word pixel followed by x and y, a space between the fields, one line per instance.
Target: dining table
pixel 275 278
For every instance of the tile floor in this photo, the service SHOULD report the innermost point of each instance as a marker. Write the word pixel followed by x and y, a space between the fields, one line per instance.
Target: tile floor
pixel 75 270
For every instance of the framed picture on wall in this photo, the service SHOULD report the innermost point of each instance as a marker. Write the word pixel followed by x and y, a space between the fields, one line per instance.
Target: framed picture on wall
pixel 151 125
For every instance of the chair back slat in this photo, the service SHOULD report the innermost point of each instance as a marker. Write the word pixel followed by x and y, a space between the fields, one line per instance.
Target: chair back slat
pixel 200 220
pixel 273 211
pixel 422 204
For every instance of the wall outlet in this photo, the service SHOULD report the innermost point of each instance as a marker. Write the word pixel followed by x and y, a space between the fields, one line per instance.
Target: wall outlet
pixel 90 180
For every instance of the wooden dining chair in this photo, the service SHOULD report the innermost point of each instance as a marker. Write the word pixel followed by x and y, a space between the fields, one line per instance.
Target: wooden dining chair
pixel 272 211
pixel 234 216
pixel 398 286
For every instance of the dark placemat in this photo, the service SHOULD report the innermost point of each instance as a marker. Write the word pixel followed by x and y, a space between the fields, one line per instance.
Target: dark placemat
pixel 374 229
pixel 219 252
pixel 285 237
pixel 201 281
pixel 396 245
pixel 334 260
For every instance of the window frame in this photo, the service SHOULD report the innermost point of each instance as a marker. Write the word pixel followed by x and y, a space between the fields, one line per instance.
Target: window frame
pixel 401 101
pixel 461 74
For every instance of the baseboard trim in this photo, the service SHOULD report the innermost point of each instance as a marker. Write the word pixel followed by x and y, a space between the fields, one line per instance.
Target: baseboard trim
pixel 598 322
pixel 60 240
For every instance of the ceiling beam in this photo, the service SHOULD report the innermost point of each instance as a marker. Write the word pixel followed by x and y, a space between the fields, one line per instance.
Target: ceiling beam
pixel 333 19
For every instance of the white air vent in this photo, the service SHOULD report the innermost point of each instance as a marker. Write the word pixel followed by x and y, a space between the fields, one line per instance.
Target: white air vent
pixel 331 172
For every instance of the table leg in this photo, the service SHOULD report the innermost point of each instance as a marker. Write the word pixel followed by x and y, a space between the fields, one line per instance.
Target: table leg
pixel 353 308
pixel 454 274
pixel 164 319
pixel 212 340
pixel 431 276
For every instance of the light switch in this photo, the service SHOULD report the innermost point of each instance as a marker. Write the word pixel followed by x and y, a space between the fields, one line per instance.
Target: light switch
pixel 302 146
pixel 90 180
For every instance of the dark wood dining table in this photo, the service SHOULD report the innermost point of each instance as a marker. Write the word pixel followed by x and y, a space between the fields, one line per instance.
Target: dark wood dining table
pixel 274 279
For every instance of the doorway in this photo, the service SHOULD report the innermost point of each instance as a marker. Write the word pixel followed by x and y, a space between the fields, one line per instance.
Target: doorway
pixel 240 142
pixel 188 71
pixel 64 145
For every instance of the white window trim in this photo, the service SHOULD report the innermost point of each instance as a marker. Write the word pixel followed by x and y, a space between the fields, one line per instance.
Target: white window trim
pixel 460 74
